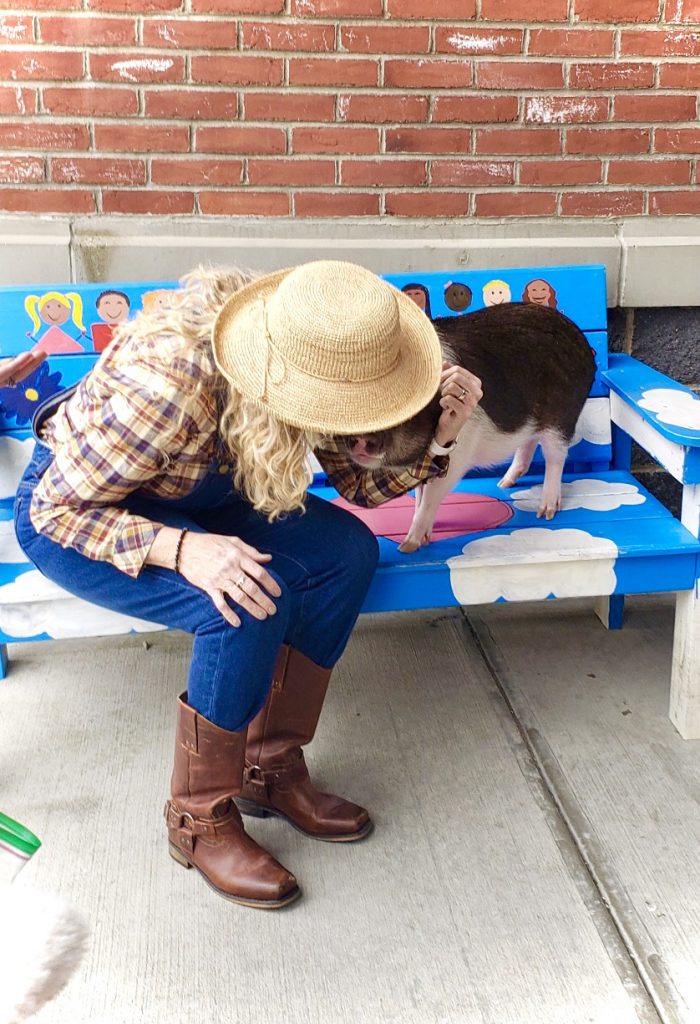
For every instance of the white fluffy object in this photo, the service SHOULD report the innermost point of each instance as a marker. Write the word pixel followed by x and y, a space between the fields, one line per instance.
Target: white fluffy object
pixel 42 941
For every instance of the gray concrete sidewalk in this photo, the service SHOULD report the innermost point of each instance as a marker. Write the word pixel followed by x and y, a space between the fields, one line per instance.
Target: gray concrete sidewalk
pixel 534 860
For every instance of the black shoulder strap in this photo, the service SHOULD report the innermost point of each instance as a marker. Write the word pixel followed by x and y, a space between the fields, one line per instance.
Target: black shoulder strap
pixel 49 406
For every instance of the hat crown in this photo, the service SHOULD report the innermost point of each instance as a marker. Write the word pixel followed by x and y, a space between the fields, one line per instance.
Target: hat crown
pixel 336 321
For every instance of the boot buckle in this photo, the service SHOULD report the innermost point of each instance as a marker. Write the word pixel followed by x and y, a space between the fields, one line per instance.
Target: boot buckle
pixel 255 774
pixel 178 819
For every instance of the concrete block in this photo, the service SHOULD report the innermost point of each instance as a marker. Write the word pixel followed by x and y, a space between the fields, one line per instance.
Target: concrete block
pixel 660 262
pixel 34 251
pixel 141 249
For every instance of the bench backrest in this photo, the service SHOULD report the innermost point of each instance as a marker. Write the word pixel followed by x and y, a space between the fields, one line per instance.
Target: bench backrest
pixel 74 323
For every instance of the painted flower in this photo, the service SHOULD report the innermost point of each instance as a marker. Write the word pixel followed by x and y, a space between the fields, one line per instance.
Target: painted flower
pixel 21 400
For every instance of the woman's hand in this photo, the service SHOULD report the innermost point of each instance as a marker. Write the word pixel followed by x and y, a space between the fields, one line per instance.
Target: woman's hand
pixel 461 393
pixel 220 566
pixel 223 566
pixel 12 371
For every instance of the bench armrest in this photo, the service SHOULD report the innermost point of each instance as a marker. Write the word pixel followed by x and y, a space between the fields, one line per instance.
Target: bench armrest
pixel 660 414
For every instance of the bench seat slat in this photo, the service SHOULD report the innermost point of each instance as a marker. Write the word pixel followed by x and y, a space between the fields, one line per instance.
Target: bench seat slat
pixel 618 549
pixel 478 505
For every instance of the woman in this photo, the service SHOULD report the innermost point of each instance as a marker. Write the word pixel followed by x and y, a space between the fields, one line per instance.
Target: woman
pixel 171 486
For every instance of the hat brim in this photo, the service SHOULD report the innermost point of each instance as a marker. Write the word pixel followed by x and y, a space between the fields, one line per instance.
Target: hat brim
pixel 242 354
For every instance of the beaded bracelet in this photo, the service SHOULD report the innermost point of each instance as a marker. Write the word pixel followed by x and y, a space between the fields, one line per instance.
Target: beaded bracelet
pixel 178 549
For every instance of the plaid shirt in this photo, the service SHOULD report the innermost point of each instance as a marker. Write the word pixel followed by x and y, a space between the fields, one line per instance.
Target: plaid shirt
pixel 144 419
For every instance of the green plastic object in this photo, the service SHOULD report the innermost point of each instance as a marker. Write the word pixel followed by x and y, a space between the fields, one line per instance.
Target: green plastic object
pixel 17 846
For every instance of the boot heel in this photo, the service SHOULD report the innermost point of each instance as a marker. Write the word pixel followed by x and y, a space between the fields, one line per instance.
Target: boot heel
pixel 252 809
pixel 178 856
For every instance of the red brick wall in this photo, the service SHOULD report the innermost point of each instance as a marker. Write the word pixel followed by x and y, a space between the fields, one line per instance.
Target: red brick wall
pixel 401 108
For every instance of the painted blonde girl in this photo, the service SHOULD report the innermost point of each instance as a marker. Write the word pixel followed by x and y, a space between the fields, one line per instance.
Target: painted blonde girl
pixel 55 309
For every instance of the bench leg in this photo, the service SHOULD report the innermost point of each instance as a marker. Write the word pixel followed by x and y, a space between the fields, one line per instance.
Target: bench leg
pixel 3 661
pixel 610 610
pixel 685 669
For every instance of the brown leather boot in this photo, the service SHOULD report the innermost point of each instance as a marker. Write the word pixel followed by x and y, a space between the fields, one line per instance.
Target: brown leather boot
pixel 276 780
pixel 204 826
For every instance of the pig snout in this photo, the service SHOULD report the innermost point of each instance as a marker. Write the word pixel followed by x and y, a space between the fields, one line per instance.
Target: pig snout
pixel 396 447
pixel 367 449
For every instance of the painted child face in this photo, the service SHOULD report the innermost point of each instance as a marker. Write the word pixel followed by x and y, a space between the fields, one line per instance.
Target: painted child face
pixel 54 312
pixel 496 295
pixel 418 296
pixel 112 308
pixel 538 291
pixel 457 297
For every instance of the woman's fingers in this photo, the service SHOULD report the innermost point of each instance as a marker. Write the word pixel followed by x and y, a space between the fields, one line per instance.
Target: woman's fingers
pixel 14 370
pixel 262 576
pixel 238 594
pixel 250 596
pixel 229 570
pixel 451 403
pixel 460 381
pixel 223 607
pixel 456 389
pixel 249 550
pixel 463 378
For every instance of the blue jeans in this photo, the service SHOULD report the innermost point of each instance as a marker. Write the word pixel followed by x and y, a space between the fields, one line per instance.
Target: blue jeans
pixel 323 561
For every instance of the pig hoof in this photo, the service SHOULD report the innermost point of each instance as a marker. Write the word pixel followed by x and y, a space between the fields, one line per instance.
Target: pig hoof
pixel 547 511
pixel 507 481
pixel 407 546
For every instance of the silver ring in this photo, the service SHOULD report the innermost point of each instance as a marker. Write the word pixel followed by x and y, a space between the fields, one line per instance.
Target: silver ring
pixel 460 397
pixel 241 580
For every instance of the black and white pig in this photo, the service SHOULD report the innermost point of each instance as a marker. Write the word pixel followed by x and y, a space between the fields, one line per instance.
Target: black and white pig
pixel 536 369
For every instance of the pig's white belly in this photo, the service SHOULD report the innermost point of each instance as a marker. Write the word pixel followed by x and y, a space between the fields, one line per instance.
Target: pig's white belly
pixel 480 443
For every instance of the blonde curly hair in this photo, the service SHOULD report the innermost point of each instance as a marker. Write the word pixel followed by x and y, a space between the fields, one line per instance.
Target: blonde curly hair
pixel 270 458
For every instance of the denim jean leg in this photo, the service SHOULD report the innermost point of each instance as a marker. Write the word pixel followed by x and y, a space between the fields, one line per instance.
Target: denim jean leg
pixel 323 561
pixel 231 668
pixel 326 556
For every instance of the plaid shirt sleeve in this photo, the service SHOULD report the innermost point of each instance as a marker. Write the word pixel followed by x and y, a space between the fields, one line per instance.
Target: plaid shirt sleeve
pixel 368 487
pixel 118 431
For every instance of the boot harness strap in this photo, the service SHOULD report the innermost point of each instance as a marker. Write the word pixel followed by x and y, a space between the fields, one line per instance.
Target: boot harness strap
pixel 201 826
pixel 286 773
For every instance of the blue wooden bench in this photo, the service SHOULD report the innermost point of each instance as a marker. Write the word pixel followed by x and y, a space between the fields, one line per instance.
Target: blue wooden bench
pixel 611 538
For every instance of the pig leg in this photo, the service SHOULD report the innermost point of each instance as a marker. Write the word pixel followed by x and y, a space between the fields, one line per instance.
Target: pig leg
pixel 555 450
pixel 428 500
pixel 520 464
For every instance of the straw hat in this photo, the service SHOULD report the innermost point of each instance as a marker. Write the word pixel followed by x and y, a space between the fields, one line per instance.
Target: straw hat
pixel 328 346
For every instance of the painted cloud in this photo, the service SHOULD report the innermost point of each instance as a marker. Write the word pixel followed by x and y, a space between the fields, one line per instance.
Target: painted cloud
pixel 14 456
pixel 32 604
pixel 596 495
pixel 533 564
pixel 316 466
pixel 10 551
pixel 593 423
pixel 678 408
